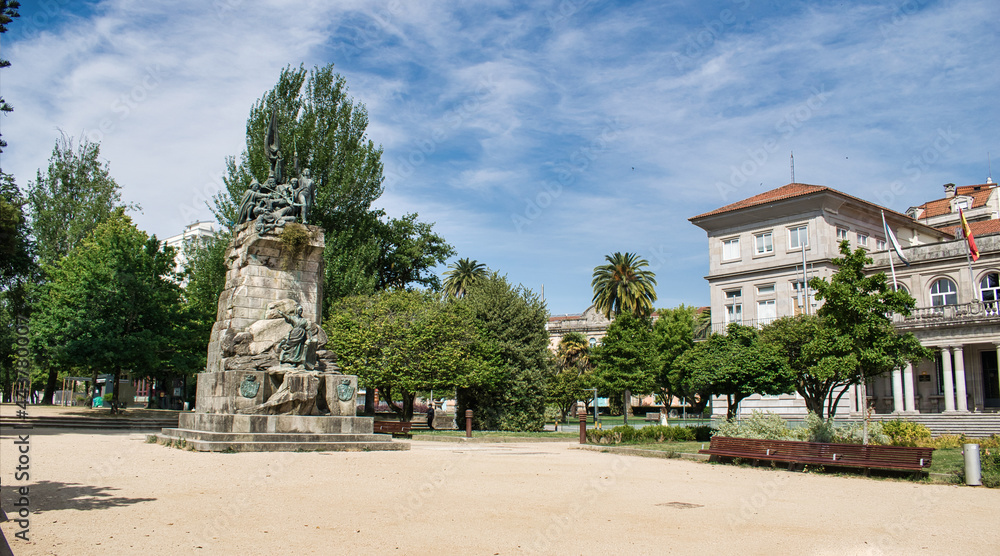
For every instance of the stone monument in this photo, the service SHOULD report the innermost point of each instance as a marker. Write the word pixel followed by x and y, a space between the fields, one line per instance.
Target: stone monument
pixel 270 384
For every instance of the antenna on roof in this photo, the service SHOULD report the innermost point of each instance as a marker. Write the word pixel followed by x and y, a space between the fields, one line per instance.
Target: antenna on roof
pixel 791 159
pixel 989 164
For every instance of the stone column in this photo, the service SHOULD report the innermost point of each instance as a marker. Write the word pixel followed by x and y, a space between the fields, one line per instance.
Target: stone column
pixel 910 399
pixel 949 387
pixel 897 391
pixel 960 394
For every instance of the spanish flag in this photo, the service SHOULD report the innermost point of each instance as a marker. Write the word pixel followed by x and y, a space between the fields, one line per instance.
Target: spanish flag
pixel 973 250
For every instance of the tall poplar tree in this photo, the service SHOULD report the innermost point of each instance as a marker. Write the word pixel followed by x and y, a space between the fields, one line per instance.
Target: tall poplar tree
pixel 66 203
pixel 323 129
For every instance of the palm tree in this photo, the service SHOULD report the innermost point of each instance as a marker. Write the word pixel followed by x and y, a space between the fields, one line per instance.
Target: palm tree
pixel 462 275
pixel 623 285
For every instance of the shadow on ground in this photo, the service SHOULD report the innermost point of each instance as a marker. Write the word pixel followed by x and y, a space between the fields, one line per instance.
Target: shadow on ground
pixel 54 495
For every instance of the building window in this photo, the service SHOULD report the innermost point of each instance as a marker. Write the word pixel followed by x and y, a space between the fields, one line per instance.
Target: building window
pixel 593 342
pixel 765 290
pixel 763 243
pixel 734 306
pixel 731 249
pixel 766 311
pixel 963 204
pixel 862 240
pixel 841 234
pixel 989 290
pixel 798 237
pixel 943 292
pixel 879 244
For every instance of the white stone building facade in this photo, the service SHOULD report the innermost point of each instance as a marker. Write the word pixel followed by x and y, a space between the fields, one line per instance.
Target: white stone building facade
pixel 763 249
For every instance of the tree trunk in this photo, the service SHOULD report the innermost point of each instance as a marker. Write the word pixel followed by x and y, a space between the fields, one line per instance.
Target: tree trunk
pixel 387 398
pixel 407 398
pixel 370 400
pixel 114 391
pixel 50 387
pixel 626 405
pixel 833 409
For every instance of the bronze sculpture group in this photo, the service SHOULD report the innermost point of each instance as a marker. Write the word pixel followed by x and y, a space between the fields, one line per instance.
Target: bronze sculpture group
pixel 274 203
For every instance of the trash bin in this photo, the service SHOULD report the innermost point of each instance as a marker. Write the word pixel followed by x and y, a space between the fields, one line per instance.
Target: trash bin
pixel 973 469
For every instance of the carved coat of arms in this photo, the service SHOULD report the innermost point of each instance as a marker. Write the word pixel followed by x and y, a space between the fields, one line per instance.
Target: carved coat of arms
pixel 345 390
pixel 249 387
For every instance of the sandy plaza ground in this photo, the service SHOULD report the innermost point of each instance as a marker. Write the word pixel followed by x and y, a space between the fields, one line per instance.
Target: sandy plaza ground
pixel 114 493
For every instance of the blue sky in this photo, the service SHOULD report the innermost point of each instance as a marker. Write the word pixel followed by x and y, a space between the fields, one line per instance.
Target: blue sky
pixel 539 137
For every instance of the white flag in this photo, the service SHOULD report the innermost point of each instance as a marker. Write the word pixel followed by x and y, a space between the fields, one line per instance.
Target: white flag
pixel 893 243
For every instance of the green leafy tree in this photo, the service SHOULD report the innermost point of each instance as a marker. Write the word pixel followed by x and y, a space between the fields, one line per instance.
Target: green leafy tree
pixel 402 342
pixel 15 244
pixel 673 334
pixel 736 365
pixel 461 275
pixel 857 311
pixel 573 373
pixel 408 251
pixel 819 360
pixel 624 285
pixel 204 275
pixel 511 320
pixel 626 360
pixel 324 130
pixel 8 11
pixel 111 304
pixel 67 202
pixel 17 270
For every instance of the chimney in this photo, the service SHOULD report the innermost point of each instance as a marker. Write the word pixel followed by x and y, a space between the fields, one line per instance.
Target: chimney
pixel 949 190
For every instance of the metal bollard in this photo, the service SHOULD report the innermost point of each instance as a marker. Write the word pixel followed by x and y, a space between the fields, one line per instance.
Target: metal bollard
pixel 468 423
pixel 973 469
pixel 581 411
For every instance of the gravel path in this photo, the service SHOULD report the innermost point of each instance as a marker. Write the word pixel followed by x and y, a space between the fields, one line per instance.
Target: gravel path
pixel 112 493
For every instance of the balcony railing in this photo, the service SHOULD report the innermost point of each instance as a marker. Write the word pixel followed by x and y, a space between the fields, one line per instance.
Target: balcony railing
pixel 963 312
pixel 720 327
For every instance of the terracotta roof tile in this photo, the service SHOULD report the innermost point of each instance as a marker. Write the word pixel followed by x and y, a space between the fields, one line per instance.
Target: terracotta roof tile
pixel 985 227
pixel 980 228
pixel 786 192
pixel 943 206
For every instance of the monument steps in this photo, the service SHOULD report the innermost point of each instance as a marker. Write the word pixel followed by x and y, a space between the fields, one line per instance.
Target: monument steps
pixel 287 442
pixel 188 434
pixel 74 422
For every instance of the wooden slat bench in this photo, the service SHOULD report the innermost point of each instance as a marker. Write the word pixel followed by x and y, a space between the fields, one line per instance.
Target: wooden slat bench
pixel 395 428
pixel 820 453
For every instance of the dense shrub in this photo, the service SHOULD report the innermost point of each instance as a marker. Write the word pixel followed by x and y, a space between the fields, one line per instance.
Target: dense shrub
pixel 760 425
pixel 853 433
pixel 906 433
pixel 661 433
pixel 770 426
pixel 703 433
pixel 958 440
pixel 653 433
pixel 990 466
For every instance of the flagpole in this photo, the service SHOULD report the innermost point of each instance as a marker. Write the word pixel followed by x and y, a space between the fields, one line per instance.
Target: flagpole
pixel 966 234
pixel 968 259
pixel 888 252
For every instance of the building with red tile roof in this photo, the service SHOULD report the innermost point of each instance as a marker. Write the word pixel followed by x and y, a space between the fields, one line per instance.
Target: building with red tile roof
pixel 765 248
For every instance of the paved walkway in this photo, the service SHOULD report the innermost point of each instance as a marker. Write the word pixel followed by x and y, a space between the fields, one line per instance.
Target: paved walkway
pixel 113 493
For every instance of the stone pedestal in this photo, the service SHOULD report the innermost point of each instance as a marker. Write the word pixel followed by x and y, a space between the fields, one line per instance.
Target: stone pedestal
pixel 263 269
pixel 269 384
pixel 444 421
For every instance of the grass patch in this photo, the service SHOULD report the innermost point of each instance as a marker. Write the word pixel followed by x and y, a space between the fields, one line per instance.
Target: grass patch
pixel 679 447
pixel 501 434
